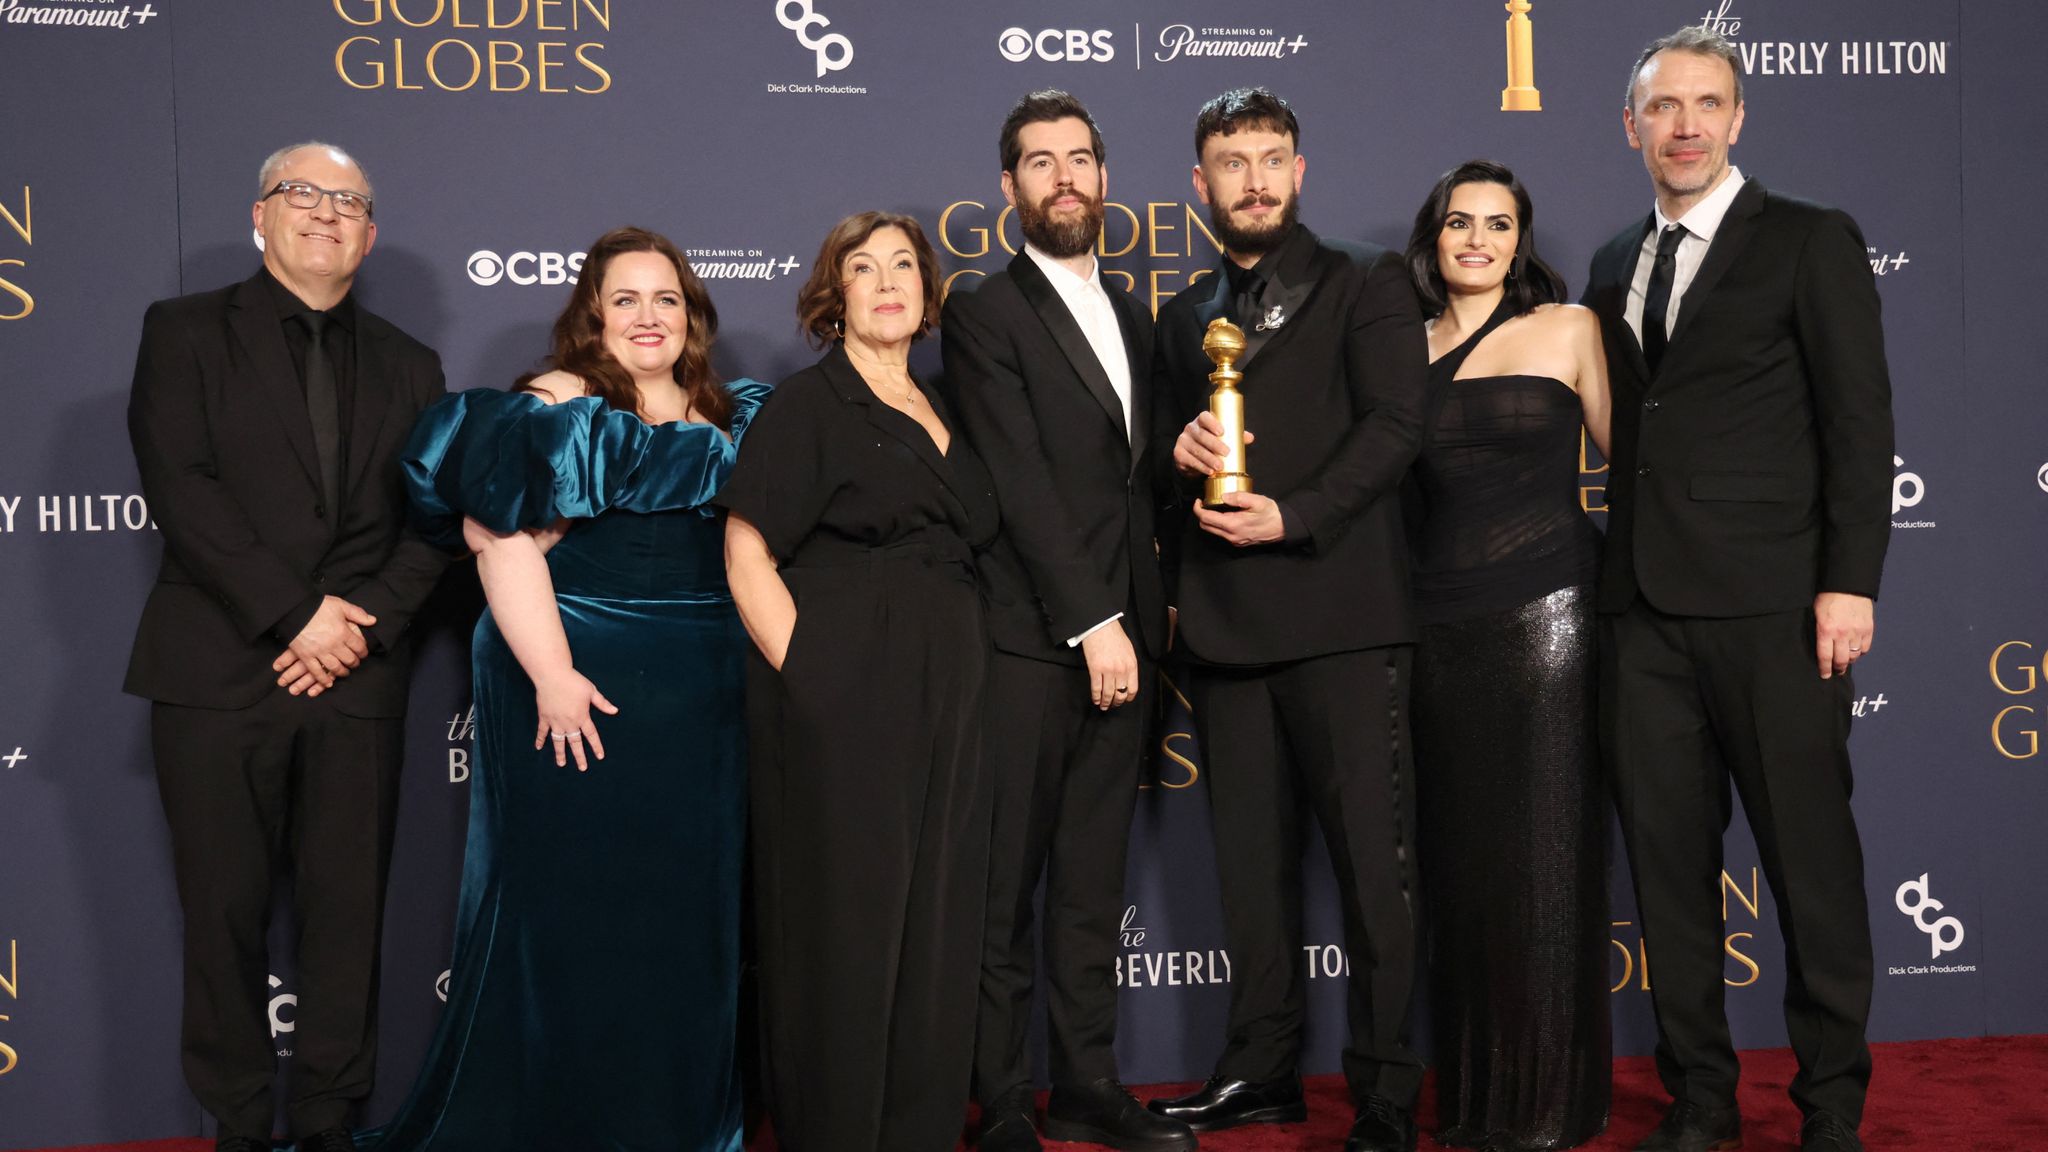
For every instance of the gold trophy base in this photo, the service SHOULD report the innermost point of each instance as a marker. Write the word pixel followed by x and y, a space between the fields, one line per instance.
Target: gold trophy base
pixel 1222 484
pixel 1521 100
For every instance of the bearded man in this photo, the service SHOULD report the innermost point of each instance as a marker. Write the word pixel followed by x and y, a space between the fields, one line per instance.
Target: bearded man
pixel 1049 369
pixel 1295 617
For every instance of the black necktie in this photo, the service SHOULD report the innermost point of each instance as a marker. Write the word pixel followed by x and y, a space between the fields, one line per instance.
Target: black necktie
pixel 323 407
pixel 1657 301
pixel 1248 292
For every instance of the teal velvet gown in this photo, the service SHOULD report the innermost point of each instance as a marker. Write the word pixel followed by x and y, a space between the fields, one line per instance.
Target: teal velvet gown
pixel 594 997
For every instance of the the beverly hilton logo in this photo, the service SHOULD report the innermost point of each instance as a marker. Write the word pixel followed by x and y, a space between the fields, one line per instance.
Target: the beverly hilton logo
pixel 1521 95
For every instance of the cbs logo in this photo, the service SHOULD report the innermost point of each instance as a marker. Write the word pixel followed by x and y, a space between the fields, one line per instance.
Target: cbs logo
pixel 486 267
pixel 2017 670
pixel 824 46
pixel 1056 44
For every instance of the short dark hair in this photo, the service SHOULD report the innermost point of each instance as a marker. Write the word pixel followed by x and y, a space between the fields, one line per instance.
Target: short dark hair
pixel 1043 107
pixel 1694 39
pixel 1530 280
pixel 1245 110
pixel 821 303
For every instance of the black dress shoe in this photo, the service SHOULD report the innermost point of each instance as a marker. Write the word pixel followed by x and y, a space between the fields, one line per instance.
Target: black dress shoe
pixel 1381 1126
pixel 1827 1132
pixel 1222 1103
pixel 1104 1112
pixel 227 1143
pixel 1691 1127
pixel 327 1140
pixel 1009 1123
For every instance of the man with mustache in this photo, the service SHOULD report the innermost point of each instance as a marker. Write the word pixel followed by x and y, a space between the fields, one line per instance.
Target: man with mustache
pixel 1049 368
pixel 1746 531
pixel 1294 614
pixel 267 419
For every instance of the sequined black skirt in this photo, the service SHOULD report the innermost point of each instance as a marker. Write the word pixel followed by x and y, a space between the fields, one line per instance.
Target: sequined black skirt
pixel 1514 832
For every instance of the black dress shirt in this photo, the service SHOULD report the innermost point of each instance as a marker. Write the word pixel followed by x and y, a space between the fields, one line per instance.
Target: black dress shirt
pixel 340 344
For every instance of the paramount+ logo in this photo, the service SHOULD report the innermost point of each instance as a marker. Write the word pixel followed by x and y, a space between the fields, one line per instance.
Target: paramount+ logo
pixel 1056 45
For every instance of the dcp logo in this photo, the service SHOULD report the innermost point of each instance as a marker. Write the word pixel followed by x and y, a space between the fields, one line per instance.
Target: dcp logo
pixel 441 984
pixel 486 267
pixel 1056 44
pixel 1938 931
pixel 824 46
pixel 282 1003
pixel 1907 487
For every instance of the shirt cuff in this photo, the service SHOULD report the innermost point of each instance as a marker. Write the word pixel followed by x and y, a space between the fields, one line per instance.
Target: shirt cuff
pixel 1075 641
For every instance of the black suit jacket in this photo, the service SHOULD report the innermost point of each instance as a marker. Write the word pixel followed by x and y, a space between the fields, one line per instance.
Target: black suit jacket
pixel 1335 395
pixel 1076 489
pixel 218 420
pixel 1752 471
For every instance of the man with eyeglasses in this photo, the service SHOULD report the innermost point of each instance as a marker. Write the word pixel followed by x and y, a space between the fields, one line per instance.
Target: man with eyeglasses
pixel 267 419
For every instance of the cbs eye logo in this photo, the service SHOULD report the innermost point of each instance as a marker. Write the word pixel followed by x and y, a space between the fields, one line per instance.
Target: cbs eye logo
pixel 1056 44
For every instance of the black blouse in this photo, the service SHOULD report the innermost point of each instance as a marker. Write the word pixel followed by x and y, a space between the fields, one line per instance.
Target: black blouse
pixel 826 468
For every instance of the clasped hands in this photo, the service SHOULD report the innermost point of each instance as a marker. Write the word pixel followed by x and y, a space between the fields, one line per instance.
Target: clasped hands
pixel 1250 518
pixel 328 648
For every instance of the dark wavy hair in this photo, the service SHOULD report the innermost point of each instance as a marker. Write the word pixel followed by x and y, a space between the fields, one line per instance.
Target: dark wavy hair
pixel 821 302
pixel 1530 281
pixel 578 340
pixel 1245 110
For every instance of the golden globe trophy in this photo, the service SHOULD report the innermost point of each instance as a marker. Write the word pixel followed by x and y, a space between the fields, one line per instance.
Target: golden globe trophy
pixel 1223 343
pixel 1521 95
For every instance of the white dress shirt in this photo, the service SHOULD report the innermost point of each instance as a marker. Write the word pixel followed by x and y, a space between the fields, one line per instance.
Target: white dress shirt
pixel 1701 221
pixel 1088 303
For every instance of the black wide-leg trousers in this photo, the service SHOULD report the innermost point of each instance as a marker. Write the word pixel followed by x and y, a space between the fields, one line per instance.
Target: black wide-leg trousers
pixel 293 786
pixel 1064 776
pixel 1687 706
pixel 1329 734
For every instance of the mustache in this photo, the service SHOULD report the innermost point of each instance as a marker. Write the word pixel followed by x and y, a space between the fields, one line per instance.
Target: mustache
pixel 1256 200
pixel 1045 204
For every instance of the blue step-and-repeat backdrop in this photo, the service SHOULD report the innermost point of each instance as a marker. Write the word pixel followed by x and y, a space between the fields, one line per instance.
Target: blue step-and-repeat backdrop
pixel 504 135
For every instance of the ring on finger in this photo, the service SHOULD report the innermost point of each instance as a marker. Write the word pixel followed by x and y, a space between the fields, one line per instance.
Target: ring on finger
pixel 575 735
pixel 559 735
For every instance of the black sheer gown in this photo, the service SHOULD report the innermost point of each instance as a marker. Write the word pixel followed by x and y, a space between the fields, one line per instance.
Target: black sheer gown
pixel 1513 818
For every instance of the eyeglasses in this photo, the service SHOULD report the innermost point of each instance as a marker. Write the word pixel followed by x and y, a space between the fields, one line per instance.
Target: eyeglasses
pixel 300 194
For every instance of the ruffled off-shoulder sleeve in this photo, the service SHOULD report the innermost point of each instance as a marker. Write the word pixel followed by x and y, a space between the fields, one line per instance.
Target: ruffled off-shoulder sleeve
pixel 510 460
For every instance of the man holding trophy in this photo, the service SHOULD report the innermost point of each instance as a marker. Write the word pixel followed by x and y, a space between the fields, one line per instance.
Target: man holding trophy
pixel 1289 572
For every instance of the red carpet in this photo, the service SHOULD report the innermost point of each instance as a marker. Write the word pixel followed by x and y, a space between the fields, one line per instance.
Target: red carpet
pixel 1987 1095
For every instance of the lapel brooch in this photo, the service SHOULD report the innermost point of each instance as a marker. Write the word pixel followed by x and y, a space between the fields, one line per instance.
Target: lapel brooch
pixel 1274 318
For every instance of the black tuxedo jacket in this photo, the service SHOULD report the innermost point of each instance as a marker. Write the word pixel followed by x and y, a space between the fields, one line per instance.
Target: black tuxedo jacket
pixel 225 449
pixel 1077 490
pixel 1752 471
pixel 1335 395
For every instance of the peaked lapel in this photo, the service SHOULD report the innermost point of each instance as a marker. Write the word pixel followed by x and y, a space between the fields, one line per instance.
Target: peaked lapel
pixel 1286 290
pixel 852 388
pixel 258 327
pixel 1066 332
pixel 374 375
pixel 1729 241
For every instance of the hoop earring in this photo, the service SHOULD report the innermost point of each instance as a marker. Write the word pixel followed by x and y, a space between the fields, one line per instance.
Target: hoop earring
pixel 839 328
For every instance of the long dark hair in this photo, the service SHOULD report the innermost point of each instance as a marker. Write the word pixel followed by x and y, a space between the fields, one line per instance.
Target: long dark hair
pixel 578 341
pixel 1530 281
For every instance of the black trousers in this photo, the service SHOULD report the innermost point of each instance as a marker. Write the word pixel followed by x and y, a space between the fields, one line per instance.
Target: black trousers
pixel 287 785
pixel 1331 734
pixel 1064 775
pixel 1687 705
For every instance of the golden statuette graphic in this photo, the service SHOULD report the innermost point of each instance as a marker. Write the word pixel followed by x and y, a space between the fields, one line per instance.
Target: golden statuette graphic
pixel 1521 95
pixel 1223 343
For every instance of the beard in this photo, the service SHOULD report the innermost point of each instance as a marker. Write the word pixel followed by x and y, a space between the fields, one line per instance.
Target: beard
pixel 1065 236
pixel 1255 239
